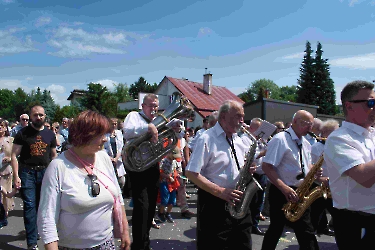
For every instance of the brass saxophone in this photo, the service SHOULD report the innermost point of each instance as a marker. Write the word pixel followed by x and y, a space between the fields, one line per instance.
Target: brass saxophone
pixel 294 211
pixel 140 154
pixel 246 183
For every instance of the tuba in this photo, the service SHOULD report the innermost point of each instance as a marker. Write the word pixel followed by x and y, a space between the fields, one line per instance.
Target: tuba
pixel 294 211
pixel 246 183
pixel 140 154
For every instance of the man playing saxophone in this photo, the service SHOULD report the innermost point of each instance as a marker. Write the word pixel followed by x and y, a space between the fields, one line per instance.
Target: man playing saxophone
pixel 349 154
pixel 214 167
pixel 286 163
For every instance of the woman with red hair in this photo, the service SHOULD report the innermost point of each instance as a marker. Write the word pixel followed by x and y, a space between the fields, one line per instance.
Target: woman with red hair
pixel 80 192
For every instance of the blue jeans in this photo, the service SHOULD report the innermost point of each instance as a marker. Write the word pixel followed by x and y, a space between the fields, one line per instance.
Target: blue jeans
pixel 31 183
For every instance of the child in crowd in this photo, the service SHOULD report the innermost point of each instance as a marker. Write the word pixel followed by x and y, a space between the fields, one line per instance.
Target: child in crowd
pixel 168 184
pixel 3 216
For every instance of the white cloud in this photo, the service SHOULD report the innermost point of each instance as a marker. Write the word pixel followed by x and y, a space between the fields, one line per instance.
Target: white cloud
pixel 294 56
pixel 29 78
pixel 13 84
pixel 107 83
pixel 10 43
pixel 58 89
pixel 41 21
pixel 366 61
pixel 8 1
pixel 352 2
pixel 72 42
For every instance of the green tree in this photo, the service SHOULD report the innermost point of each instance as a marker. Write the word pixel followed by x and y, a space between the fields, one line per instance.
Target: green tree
pixel 324 87
pixel 252 91
pixel 121 92
pixel 20 103
pixel 96 98
pixel 141 86
pixel 6 104
pixel 305 92
pixel 288 93
pixel 48 104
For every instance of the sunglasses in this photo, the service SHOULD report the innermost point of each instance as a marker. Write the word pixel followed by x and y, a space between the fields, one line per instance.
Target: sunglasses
pixel 25 119
pixel 370 102
pixel 95 188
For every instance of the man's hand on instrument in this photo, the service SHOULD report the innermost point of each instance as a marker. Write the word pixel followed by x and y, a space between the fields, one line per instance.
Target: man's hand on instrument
pixel 261 154
pixel 319 173
pixel 290 194
pixel 231 195
pixel 153 132
pixel 253 168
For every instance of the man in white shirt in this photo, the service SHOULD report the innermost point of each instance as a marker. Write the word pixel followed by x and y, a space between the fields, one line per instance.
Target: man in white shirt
pixel 214 167
pixel 144 185
pixel 318 208
pixel 349 154
pixel 286 164
pixel 192 142
pixel 258 199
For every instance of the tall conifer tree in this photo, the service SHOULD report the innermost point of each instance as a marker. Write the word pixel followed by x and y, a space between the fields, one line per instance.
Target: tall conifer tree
pixel 324 87
pixel 305 92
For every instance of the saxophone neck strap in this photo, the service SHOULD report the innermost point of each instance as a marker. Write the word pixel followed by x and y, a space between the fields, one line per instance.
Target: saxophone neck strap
pixel 231 144
pixel 299 146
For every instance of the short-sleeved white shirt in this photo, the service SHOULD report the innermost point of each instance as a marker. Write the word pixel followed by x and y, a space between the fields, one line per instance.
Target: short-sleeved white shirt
pixel 283 154
pixel 212 157
pixel 347 147
pixel 316 151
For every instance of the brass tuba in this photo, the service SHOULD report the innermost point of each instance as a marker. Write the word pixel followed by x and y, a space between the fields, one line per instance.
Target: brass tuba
pixel 294 211
pixel 246 183
pixel 140 154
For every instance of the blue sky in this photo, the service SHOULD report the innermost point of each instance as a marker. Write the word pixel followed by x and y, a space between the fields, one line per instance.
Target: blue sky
pixel 64 45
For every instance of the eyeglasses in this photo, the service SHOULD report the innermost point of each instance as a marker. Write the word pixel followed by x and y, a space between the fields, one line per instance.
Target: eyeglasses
pixel 151 105
pixel 23 119
pixel 95 188
pixel 305 123
pixel 370 102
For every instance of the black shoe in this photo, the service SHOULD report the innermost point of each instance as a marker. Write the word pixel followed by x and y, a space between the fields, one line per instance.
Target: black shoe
pixel 161 217
pixel 326 231
pixel 186 214
pixel 169 218
pixel 258 231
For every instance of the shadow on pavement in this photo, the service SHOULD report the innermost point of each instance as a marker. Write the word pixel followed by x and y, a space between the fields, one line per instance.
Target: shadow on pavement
pixel 16 213
pixel 5 239
pixel 161 244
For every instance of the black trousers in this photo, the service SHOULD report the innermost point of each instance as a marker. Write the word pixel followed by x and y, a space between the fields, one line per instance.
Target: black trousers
pixel 216 229
pixel 144 189
pixel 302 227
pixel 348 229
pixel 318 212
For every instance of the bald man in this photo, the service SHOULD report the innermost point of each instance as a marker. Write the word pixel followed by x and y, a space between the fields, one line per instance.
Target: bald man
pixel 286 164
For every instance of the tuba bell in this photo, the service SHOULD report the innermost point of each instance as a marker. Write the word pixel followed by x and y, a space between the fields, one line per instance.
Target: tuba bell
pixel 140 154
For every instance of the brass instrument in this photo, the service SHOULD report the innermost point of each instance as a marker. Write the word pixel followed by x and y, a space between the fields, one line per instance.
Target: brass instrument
pixel 140 154
pixel 318 138
pixel 246 183
pixel 294 211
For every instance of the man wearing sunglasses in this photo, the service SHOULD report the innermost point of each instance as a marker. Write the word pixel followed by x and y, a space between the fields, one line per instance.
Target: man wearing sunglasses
pixel 350 157
pixel 24 121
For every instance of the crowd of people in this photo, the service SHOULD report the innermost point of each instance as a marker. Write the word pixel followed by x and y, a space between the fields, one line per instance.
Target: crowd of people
pixel 72 178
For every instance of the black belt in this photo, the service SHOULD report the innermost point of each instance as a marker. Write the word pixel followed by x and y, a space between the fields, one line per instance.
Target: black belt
pixel 36 168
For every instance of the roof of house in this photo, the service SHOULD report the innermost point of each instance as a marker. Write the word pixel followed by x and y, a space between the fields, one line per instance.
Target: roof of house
pixel 78 92
pixel 204 103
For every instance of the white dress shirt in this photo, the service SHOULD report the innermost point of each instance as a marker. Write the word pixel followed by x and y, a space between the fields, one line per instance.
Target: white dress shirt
pixel 212 157
pixel 346 147
pixel 310 139
pixel 134 126
pixel 283 153
pixel 316 151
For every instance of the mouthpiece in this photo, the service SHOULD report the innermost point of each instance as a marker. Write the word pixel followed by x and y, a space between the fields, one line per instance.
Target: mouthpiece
pixel 312 135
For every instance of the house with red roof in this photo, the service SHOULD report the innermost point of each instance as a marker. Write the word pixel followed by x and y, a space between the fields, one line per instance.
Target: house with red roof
pixel 205 97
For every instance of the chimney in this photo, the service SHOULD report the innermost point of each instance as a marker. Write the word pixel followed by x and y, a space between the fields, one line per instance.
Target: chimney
pixel 267 93
pixel 207 82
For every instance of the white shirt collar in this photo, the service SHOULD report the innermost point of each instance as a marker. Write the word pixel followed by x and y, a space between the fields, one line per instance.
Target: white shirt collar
pixel 293 134
pixel 358 129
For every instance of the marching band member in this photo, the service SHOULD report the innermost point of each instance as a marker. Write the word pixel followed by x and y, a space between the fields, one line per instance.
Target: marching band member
pixel 214 167
pixel 349 154
pixel 286 164
pixel 318 208
pixel 144 185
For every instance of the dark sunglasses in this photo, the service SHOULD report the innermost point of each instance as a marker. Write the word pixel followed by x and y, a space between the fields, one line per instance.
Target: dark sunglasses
pixel 25 119
pixel 370 102
pixel 95 188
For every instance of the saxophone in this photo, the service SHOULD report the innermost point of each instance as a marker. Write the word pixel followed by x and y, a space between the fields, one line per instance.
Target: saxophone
pixel 294 211
pixel 246 183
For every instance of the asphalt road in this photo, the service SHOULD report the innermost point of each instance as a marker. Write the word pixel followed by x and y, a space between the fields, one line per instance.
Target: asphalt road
pixel 176 236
